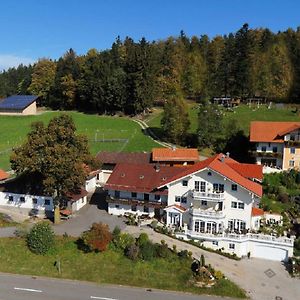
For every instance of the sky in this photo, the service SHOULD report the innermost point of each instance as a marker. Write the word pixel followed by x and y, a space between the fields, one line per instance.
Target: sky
pixel 32 29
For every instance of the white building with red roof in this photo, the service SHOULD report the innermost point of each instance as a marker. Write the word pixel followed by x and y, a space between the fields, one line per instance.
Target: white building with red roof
pixel 277 144
pixel 213 201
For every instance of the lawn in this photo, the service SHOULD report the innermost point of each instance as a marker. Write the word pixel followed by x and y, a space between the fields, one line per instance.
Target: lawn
pixel 107 267
pixel 6 221
pixel 242 114
pixel 13 132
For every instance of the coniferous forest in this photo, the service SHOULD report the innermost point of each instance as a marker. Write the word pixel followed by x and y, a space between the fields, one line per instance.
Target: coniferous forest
pixel 132 76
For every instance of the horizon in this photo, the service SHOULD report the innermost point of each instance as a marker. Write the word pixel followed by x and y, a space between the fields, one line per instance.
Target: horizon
pixel 49 29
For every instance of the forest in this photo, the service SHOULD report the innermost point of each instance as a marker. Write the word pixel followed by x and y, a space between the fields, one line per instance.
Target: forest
pixel 131 77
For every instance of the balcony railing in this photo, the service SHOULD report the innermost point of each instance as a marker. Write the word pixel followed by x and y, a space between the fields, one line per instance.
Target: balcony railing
pixel 208 196
pixel 130 201
pixel 216 214
pixel 240 237
pixel 258 153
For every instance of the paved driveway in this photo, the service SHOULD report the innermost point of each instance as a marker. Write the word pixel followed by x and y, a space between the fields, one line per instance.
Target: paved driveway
pixel 261 279
pixel 85 218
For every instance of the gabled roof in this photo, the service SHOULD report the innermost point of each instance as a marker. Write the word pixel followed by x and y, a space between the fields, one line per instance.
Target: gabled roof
pixel 139 178
pixel 257 212
pixel 181 154
pixel 17 102
pixel 252 171
pixel 3 175
pixel 271 131
pixel 78 195
pixel 114 158
pixel 176 206
pixel 218 163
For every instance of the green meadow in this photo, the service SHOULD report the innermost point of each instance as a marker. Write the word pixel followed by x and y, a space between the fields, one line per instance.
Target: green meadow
pixel 104 133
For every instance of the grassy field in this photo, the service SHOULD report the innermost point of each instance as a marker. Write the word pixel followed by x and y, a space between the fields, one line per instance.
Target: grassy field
pixel 242 114
pixel 13 132
pixel 107 267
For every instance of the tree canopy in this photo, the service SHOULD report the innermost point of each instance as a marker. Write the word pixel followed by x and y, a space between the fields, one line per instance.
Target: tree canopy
pixel 130 75
pixel 54 157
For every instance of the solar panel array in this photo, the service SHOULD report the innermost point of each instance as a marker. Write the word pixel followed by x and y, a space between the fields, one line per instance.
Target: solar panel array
pixel 16 102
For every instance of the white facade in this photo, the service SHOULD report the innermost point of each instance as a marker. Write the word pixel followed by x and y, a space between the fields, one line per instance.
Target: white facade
pixel 90 184
pixel 40 203
pixel 78 204
pixel 271 154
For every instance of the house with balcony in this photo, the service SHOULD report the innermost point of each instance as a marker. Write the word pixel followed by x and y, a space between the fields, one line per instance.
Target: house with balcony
pixel 213 201
pixel 276 144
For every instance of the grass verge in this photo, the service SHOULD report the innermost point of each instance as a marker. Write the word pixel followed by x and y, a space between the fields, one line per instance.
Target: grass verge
pixel 107 267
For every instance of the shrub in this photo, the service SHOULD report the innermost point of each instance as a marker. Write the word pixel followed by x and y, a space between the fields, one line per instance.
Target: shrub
pixel 40 238
pixel 142 239
pixel 21 232
pixel 123 241
pixel 116 232
pixel 183 254
pixel 132 252
pixel 154 224
pixel 162 250
pixel 147 251
pixel 97 238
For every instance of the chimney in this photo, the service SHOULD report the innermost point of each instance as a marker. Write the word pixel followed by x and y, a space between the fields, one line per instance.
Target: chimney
pixel 222 158
pixel 173 147
pixel 227 154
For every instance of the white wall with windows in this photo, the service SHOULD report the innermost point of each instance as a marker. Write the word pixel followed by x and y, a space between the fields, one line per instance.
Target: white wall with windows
pixel 26 201
pixel 236 203
pixel 269 147
pixel 78 204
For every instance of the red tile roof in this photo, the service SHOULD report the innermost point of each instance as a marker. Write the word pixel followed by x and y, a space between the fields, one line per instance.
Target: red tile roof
pixel 271 131
pixel 3 175
pixel 77 196
pixel 248 170
pixel 139 178
pixel 218 163
pixel 114 158
pixel 181 154
pixel 257 212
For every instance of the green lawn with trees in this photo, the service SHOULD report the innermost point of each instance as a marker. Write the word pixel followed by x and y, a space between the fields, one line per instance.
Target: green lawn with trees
pixel 115 258
pixel 98 129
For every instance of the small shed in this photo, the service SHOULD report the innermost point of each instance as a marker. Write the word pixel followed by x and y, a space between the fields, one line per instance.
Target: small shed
pixel 18 105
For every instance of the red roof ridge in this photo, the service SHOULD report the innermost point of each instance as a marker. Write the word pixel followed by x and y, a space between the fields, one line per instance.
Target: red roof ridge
pixel 177 206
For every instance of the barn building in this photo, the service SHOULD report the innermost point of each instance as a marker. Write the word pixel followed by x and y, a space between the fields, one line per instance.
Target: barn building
pixel 18 105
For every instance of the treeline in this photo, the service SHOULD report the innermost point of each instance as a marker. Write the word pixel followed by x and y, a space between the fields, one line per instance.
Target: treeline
pixel 131 76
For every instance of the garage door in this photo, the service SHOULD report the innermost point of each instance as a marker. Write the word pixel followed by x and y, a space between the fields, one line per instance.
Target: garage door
pixel 269 253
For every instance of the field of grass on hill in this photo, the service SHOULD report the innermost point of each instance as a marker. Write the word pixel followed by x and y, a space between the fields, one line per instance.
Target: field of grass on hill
pixel 242 114
pixel 99 130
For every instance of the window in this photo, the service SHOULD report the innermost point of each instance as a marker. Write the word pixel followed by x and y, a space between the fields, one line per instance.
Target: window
pixel 218 188
pixel 34 200
pixel 292 150
pixel 242 225
pixel 208 227
pixel 157 197
pixel 22 199
pixel 117 194
pixel 241 205
pixel 216 243
pixel 231 246
pixel 146 197
pixel 202 186
pixel 184 183
pixel 196 227
pixel 291 163
pixel 133 207
pixel 47 202
pixel 11 198
pixel 292 137
pixel 204 202
pixel 230 225
pixel 208 173
pixel 263 148
pixel 133 195
pixel 202 226
pixel 146 209
pixel 117 206
pixel 177 198
pixel 183 199
pixel 82 200
pixel 233 204
pixel 275 149
pixel 234 187
pixel 197 185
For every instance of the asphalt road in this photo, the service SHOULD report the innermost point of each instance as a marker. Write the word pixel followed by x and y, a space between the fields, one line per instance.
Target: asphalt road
pixel 17 287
